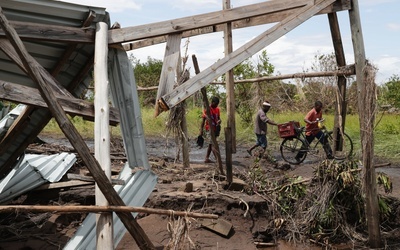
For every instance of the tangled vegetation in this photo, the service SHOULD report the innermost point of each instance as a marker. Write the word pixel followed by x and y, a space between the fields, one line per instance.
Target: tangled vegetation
pixel 325 209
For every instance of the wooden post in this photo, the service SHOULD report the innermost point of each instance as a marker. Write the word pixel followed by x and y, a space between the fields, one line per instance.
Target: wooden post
pixel 228 150
pixel 230 84
pixel 72 134
pixel 104 221
pixel 340 115
pixel 207 108
pixel 230 131
pixel 367 121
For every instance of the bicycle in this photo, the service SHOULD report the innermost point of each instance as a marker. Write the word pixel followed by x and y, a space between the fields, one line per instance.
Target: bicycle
pixel 294 147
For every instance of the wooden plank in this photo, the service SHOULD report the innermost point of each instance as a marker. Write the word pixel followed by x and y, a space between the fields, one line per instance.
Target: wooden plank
pixel 114 179
pixel 203 20
pixel 72 134
pixel 247 50
pixel 220 226
pixel 48 32
pixel 31 96
pixel 57 33
pixel 65 184
pixel 268 18
pixel 170 67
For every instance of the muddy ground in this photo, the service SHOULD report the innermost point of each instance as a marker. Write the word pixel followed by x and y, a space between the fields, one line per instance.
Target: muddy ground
pixel 246 214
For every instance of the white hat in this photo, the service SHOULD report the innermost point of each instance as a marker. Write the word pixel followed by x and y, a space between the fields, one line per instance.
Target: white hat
pixel 266 104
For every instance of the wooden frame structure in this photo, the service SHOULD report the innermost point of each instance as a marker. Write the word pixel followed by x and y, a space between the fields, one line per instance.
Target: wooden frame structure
pixel 48 93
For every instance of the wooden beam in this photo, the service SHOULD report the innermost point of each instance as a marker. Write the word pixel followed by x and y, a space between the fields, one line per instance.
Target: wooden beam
pixel 100 209
pixel 170 67
pixel 203 20
pixel 72 134
pixel 268 18
pixel 73 106
pixel 349 70
pixel 247 50
pixel 58 33
pixel 48 32
pixel 341 105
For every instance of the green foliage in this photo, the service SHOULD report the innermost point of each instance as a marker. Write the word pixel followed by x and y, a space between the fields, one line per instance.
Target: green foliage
pixel 147 74
pixel 249 96
pixel 291 191
pixel 339 198
pixel 391 91
pixel 321 88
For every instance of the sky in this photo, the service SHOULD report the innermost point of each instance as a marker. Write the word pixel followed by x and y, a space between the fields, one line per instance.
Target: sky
pixel 292 53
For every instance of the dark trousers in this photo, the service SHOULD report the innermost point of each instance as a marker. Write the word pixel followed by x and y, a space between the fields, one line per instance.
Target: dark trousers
pixel 322 139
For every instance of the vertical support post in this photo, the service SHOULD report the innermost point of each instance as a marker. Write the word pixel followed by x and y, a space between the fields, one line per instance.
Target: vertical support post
pixel 104 221
pixel 340 115
pixel 367 120
pixel 230 84
pixel 228 151
pixel 230 132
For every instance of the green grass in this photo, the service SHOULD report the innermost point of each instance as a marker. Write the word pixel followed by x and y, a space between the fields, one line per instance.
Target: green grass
pixel 387 129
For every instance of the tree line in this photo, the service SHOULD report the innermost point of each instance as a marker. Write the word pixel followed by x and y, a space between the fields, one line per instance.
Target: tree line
pixel 297 95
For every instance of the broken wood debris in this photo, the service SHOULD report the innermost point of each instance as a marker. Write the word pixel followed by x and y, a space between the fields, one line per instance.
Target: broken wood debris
pixel 101 209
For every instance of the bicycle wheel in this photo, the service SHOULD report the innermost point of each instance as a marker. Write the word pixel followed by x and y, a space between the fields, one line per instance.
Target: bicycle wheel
pixel 341 151
pixel 293 150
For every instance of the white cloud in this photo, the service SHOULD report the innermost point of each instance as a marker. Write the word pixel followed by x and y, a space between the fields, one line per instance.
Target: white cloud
pixel 191 6
pixel 393 26
pixel 388 66
pixel 111 6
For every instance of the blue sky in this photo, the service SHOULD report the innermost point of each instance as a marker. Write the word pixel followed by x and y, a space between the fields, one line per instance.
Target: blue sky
pixel 292 53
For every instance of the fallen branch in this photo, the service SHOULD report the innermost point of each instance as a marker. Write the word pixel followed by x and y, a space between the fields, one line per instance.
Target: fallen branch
pixel 100 209
pixel 290 184
pixel 265 244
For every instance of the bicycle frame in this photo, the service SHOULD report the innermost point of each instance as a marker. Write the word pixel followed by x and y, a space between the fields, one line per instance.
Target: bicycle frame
pixel 295 149
pixel 311 147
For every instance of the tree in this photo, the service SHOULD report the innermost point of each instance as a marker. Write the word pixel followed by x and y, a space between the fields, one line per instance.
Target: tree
pixel 147 75
pixel 322 88
pixel 250 95
pixel 391 91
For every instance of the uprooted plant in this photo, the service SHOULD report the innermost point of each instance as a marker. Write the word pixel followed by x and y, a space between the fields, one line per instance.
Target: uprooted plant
pixel 325 209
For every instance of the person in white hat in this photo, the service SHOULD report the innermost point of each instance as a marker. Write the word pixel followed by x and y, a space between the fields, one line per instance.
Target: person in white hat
pixel 260 127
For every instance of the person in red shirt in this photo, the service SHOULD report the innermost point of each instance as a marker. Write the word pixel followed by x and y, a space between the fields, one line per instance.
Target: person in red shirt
pixel 215 125
pixel 313 131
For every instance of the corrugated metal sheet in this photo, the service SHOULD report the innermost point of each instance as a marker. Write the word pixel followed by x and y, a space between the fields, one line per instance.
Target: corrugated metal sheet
pixel 138 186
pixel 135 192
pixel 33 171
pixel 48 54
